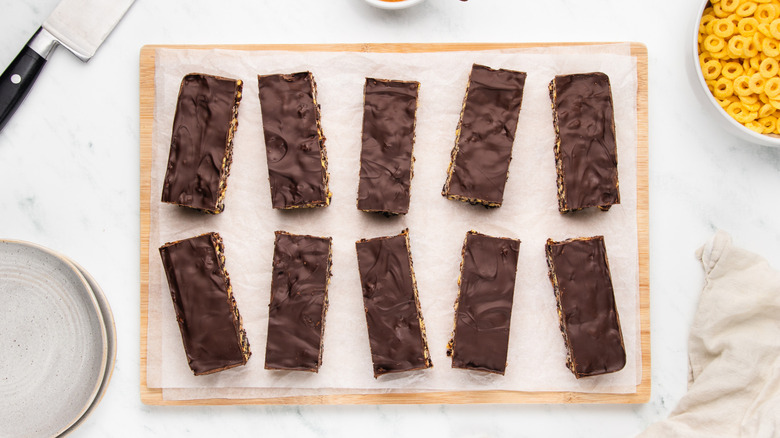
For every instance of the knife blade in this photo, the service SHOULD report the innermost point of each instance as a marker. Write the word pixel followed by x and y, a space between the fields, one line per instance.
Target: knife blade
pixel 80 26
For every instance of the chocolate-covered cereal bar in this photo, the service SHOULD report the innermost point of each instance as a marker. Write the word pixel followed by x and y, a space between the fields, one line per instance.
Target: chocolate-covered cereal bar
pixel 202 142
pixel 294 143
pixel 299 300
pixel 396 330
pixel 585 147
pixel 389 109
pixel 209 321
pixel 588 315
pixel 483 309
pixel 479 166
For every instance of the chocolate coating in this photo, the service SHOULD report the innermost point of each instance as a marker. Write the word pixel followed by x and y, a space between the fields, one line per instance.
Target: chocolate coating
pixel 388 138
pixel 395 325
pixel 206 311
pixel 586 305
pixel 202 142
pixel 483 310
pixel 486 132
pixel 586 151
pixel 294 144
pixel 299 300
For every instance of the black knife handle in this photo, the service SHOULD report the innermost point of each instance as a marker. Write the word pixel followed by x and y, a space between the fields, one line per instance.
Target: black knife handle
pixel 17 80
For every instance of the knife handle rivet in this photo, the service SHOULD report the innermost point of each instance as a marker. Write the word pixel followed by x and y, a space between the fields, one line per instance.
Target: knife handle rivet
pixel 15 79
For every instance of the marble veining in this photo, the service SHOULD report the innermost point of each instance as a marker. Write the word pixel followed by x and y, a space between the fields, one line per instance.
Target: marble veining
pixel 70 182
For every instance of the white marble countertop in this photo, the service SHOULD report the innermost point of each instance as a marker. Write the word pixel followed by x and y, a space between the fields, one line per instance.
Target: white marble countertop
pixel 70 181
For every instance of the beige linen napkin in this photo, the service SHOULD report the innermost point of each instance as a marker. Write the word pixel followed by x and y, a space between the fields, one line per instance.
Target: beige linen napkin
pixel 734 350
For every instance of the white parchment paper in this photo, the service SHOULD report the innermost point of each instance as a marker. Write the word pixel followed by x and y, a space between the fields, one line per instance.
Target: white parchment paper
pixel 536 358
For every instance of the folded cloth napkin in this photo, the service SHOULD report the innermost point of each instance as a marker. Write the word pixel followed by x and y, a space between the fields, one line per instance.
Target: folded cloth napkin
pixel 734 350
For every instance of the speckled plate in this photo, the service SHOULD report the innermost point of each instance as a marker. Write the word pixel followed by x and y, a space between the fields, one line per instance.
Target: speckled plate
pixel 53 342
pixel 108 322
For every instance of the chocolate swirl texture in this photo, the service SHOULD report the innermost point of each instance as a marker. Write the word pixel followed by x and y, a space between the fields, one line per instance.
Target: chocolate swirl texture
pixel 388 140
pixel 589 320
pixel 202 142
pixel 585 145
pixel 396 330
pixel 479 167
pixel 299 301
pixel 208 317
pixel 294 143
pixel 483 310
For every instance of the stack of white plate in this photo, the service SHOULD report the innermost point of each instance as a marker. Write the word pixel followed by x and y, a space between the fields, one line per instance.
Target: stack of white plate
pixel 57 342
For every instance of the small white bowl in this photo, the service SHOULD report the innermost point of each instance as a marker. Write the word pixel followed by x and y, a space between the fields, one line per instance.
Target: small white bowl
pixel 397 4
pixel 716 111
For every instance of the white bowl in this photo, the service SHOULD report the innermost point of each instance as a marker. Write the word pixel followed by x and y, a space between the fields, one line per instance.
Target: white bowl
pixel 716 111
pixel 398 4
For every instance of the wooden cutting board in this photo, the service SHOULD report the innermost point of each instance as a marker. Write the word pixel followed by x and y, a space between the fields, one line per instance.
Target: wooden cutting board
pixel 154 396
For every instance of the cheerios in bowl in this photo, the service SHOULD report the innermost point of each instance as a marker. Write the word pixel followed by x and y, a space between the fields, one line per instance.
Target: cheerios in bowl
pixel 736 49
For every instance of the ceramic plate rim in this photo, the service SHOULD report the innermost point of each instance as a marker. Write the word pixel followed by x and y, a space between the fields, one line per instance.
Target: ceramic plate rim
pixel 95 307
pixel 393 5
pixel 110 324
